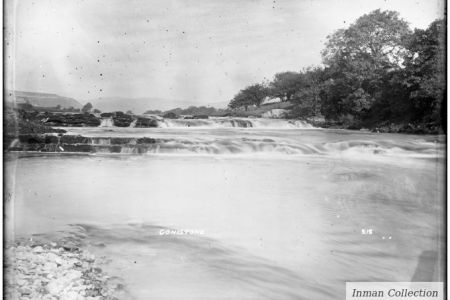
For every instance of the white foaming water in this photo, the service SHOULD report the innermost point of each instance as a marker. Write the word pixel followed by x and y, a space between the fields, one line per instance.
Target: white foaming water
pixel 269 147
pixel 133 123
pixel 280 124
pixel 266 142
pixel 225 122
pixel 101 141
pixel 283 211
pixel 107 122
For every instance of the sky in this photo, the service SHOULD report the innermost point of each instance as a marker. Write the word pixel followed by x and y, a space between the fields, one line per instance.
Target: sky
pixel 200 51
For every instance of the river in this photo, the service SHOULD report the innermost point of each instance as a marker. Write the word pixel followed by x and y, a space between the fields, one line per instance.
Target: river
pixel 277 210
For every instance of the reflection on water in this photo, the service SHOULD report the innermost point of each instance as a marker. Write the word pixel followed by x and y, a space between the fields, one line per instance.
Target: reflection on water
pixel 275 227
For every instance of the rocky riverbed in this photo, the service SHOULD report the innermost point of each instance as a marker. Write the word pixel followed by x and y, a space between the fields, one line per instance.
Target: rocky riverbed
pixel 77 144
pixel 56 271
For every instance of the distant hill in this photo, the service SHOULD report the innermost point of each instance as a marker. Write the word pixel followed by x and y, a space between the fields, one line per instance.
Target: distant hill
pixel 138 105
pixel 41 99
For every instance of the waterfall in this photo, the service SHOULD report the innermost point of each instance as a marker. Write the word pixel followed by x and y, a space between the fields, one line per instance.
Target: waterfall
pixel 354 149
pixel 241 123
pixel 128 150
pixel 101 141
pixel 222 122
pixel 58 145
pixel 107 122
pixel 201 143
pixel 133 124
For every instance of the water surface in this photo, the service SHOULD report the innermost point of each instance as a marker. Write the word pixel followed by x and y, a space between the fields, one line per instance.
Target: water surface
pixel 278 213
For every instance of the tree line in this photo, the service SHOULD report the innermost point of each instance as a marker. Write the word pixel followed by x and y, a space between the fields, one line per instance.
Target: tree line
pixel 376 70
pixel 191 110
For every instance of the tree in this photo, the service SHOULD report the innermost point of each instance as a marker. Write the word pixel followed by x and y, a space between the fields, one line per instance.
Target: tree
pixel 285 85
pixel 256 93
pixel 360 57
pixel 377 72
pixel 307 99
pixel 425 72
pixel 240 100
pixel 87 107
pixel 376 40
pixel 251 95
pixel 96 111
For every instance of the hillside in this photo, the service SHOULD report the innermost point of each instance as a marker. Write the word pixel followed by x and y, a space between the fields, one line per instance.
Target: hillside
pixel 41 99
pixel 136 105
pixel 141 105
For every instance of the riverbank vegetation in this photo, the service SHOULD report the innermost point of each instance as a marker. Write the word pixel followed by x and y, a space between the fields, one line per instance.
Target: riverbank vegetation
pixel 376 73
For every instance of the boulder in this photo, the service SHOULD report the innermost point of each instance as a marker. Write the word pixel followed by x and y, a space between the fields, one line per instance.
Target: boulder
pixel 122 120
pixel 75 139
pixel 146 123
pixel 200 117
pixel 32 138
pixel 77 148
pixel 145 140
pixel 30 142
pixel 73 120
pixel 51 139
pixel 120 141
pixel 115 148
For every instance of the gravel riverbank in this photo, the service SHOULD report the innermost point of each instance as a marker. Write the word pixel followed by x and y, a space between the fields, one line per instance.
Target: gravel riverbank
pixel 52 271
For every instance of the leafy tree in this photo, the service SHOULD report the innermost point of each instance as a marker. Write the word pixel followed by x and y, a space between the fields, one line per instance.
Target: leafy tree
pixel 376 40
pixel 251 95
pixel 87 107
pixel 285 85
pixel 416 93
pixel 360 56
pixel 425 71
pixel 240 100
pixel 257 93
pixel 307 98
pixel 376 72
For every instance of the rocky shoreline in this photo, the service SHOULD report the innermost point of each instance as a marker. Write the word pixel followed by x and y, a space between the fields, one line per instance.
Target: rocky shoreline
pixel 56 271
pixel 51 119
pixel 33 122
pixel 52 142
pixel 25 131
pixel 385 127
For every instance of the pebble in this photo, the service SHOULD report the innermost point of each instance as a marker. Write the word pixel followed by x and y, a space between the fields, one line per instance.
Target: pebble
pixel 38 249
pixel 49 272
